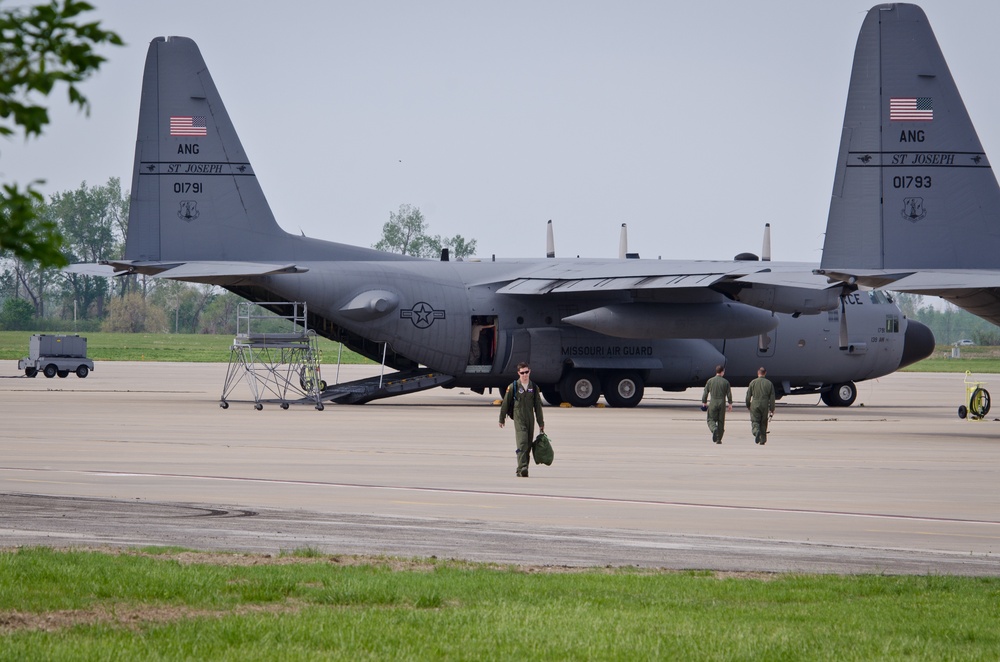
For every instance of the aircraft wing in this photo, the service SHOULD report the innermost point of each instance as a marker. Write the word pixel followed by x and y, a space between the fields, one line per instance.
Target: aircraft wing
pixel 778 287
pixel 796 279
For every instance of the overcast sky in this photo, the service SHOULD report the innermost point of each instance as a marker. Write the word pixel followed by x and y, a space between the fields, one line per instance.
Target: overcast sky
pixel 695 123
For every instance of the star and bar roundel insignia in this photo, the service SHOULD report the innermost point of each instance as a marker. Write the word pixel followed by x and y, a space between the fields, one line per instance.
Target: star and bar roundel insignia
pixel 422 314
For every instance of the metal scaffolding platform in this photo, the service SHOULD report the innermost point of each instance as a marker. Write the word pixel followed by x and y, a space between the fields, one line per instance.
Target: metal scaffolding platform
pixel 276 356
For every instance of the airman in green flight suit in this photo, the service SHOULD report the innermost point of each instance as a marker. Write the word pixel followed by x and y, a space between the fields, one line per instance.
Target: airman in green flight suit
pixel 527 401
pixel 718 388
pixel 760 402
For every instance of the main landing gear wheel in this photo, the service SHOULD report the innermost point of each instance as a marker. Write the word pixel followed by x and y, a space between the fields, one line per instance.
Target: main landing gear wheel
pixel 580 388
pixel 840 395
pixel 623 390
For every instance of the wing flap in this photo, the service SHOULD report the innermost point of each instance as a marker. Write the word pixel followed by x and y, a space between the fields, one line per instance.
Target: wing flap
pixel 538 286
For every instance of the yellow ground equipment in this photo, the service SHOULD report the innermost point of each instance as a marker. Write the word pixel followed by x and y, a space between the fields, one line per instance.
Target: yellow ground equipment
pixel 977 400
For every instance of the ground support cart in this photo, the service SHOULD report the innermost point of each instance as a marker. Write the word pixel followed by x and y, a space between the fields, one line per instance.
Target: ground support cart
pixel 977 400
pixel 54 355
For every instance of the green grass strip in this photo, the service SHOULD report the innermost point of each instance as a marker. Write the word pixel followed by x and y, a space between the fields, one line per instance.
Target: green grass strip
pixel 181 347
pixel 168 605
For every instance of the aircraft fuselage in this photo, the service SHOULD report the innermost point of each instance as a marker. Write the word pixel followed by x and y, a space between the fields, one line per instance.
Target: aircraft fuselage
pixel 424 311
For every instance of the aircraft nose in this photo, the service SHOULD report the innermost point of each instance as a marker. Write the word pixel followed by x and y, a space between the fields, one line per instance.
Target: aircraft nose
pixel 918 343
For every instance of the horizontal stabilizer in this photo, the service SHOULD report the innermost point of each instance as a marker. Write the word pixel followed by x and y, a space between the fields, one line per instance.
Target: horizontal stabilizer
pixel 213 269
pixel 93 269
pixel 948 280
pixel 205 269
pixel 934 283
pixel 920 282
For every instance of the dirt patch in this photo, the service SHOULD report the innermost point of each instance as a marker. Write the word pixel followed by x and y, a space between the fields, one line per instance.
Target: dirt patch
pixel 128 617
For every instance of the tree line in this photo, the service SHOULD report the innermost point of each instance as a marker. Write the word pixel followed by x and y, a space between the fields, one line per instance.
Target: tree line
pixel 947 322
pixel 92 222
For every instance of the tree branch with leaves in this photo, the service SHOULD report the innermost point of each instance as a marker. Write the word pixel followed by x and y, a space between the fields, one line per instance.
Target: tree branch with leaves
pixel 41 46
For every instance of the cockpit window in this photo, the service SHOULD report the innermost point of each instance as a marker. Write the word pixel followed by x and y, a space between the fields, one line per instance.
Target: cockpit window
pixel 878 297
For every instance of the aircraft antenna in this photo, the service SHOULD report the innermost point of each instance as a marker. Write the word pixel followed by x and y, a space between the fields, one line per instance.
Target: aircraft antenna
pixel 550 242
pixel 765 251
pixel 623 242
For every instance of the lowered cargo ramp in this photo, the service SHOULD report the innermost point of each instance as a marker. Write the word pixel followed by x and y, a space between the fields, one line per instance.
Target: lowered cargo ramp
pixel 365 390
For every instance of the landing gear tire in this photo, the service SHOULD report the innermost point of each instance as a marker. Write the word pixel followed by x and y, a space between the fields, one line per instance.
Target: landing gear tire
pixel 580 388
pixel 551 395
pixel 840 395
pixel 624 390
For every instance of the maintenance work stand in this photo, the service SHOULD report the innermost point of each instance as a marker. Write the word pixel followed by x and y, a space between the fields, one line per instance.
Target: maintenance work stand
pixel 276 356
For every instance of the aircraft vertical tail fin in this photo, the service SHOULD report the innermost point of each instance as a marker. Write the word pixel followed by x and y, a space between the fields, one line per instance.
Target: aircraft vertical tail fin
pixel 913 187
pixel 194 192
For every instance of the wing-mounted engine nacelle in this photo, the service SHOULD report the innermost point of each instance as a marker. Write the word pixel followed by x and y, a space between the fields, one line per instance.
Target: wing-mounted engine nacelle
pixel 790 300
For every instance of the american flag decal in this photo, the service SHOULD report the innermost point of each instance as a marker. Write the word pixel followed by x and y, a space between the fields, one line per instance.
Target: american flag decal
pixel 911 109
pixel 188 126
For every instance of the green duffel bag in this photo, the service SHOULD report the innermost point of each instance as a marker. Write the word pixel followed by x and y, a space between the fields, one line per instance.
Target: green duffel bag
pixel 541 449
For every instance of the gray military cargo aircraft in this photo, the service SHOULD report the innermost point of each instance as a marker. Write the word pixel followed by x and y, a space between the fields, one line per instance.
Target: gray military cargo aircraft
pixel 587 326
pixel 916 206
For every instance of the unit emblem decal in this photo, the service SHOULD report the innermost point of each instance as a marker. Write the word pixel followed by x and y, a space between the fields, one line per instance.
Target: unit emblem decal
pixel 913 209
pixel 188 210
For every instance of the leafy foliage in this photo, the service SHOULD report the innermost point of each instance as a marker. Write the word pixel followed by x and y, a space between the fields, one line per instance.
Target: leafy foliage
pixel 16 315
pixel 133 314
pixel 406 232
pixel 40 47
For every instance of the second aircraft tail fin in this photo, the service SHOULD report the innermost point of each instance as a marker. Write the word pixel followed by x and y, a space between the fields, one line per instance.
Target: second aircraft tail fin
pixel 913 187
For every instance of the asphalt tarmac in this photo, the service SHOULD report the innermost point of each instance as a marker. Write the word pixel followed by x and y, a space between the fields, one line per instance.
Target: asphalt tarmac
pixel 141 454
